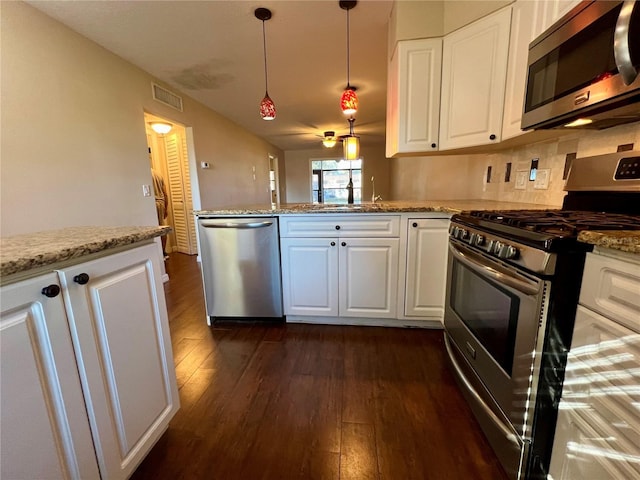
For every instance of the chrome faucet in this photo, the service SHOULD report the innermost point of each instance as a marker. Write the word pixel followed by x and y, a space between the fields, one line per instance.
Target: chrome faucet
pixel 374 197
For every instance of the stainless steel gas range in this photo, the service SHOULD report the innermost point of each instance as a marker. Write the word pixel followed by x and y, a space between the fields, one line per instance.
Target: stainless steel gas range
pixel 512 290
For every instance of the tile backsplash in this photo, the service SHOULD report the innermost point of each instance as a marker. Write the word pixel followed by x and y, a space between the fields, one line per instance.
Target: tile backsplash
pixel 464 176
pixel 552 156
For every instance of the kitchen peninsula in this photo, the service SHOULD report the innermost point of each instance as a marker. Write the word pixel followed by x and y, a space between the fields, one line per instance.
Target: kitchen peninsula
pixel 363 264
pixel 88 380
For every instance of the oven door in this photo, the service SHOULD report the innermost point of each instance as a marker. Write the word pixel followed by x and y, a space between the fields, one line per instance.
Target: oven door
pixel 492 314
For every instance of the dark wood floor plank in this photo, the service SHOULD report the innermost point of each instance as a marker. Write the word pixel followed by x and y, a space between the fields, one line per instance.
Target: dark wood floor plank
pixel 291 401
pixel 359 456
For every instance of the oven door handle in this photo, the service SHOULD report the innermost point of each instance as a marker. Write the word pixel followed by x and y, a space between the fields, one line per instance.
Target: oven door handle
pixel 506 431
pixel 470 259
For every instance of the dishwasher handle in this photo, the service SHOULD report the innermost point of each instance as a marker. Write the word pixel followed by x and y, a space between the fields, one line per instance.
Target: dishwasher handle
pixel 206 224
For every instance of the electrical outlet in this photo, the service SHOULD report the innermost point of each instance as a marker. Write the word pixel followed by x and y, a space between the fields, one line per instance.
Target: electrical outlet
pixel 521 180
pixel 146 190
pixel 204 164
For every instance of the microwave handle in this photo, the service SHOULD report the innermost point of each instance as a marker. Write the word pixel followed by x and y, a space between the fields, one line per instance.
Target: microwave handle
pixel 621 50
pixel 467 258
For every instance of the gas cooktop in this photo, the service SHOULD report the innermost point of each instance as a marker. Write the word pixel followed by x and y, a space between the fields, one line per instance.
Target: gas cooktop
pixel 549 230
pixel 564 223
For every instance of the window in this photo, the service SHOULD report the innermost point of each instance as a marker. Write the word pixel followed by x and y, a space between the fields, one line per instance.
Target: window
pixel 329 180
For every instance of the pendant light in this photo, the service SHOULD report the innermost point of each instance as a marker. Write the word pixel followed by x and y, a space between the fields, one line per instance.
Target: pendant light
pixel 267 107
pixel 329 140
pixel 349 99
pixel 351 143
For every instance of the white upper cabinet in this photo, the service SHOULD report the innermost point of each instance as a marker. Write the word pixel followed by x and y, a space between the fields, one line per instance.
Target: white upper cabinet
pixel 529 19
pixel 523 22
pixel 413 96
pixel 474 69
pixel 547 12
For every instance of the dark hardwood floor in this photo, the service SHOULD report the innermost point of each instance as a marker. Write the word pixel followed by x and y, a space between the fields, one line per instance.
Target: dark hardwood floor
pixel 276 401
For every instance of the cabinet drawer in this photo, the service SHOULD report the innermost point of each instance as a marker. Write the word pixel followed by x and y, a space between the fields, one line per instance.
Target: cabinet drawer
pixel 340 225
pixel 611 287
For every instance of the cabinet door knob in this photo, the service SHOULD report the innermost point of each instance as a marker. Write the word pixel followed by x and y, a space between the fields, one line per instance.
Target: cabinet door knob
pixel 415 224
pixel 51 291
pixel 81 279
pixel 344 244
pixel 492 137
pixel 433 145
pixel 337 227
pixel 333 244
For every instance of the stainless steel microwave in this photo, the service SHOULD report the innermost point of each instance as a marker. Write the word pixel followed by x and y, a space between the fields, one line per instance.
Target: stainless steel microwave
pixel 584 71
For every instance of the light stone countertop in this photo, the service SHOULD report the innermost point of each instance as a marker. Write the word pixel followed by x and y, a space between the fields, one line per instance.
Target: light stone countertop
pixel 625 240
pixel 442 206
pixel 26 252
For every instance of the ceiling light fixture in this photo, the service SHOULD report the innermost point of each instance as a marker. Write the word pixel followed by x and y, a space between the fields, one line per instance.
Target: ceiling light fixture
pixel 161 127
pixel 349 99
pixel 267 107
pixel 329 140
pixel 351 143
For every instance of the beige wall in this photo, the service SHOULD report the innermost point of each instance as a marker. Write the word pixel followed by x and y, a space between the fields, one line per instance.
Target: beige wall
pixel 463 176
pixel 298 171
pixel 74 148
pixel 411 19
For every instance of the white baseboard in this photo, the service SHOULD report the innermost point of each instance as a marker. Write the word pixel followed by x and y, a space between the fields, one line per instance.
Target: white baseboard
pixel 366 322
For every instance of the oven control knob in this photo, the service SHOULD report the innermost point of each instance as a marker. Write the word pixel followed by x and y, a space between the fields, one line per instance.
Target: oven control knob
pixel 453 231
pixel 477 239
pixel 463 233
pixel 506 251
pixel 512 252
pixel 497 247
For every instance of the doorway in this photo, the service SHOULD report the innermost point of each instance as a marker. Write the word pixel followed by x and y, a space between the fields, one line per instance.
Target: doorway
pixel 169 158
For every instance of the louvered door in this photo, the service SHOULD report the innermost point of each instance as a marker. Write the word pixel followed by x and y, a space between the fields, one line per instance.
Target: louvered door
pixel 180 193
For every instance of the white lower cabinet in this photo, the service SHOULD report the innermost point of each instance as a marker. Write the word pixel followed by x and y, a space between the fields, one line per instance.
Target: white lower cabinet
pixel 87 392
pixel 427 247
pixel 44 430
pixel 347 277
pixel 340 265
pixel 310 276
pixel 597 434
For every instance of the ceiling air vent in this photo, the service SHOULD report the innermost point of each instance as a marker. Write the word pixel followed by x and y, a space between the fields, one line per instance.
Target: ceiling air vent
pixel 163 95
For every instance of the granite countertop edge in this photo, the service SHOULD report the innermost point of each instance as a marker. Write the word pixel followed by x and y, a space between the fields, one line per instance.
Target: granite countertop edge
pixel 436 206
pixel 624 240
pixel 25 252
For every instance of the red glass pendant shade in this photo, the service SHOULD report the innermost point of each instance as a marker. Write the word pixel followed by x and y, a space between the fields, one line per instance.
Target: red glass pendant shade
pixel 267 108
pixel 349 101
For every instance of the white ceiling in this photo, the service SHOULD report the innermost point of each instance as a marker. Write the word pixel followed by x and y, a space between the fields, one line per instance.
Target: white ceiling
pixel 212 51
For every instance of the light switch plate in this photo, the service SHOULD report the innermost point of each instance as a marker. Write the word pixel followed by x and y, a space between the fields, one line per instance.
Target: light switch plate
pixel 542 179
pixel 521 179
pixel 146 190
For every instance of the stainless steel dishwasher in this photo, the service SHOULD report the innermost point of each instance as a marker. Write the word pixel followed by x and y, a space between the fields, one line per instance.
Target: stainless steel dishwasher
pixel 241 267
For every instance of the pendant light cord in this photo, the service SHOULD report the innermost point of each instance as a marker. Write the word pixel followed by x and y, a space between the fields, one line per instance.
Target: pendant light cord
pixel 348 53
pixel 264 44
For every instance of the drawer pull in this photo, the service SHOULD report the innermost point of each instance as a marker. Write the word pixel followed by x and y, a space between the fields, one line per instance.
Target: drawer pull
pixel 344 244
pixel 337 227
pixel 333 244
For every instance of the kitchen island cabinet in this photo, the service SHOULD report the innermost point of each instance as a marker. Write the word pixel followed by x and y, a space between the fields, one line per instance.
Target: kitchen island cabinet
pixel 45 433
pixel 88 383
